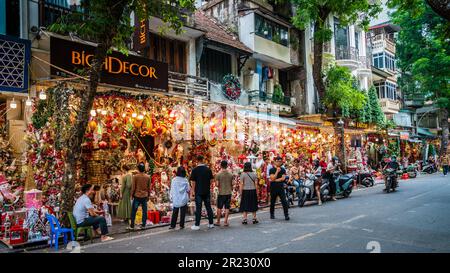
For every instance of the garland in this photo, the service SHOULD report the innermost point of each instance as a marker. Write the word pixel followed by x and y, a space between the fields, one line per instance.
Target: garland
pixel 231 87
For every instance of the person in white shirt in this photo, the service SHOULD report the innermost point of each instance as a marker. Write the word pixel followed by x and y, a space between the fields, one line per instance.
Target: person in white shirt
pixel 86 215
pixel 179 194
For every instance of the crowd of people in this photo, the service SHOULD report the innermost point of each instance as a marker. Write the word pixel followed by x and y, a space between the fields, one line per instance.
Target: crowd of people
pixel 90 209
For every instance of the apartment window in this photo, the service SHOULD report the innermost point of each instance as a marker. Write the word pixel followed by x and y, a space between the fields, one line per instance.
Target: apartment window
pixel 271 30
pixel 389 61
pixel 357 35
pixel 378 60
pixel 51 10
pixel 168 51
pixel 10 18
pixel 384 60
pixel 340 35
pixel 214 65
pixel 386 90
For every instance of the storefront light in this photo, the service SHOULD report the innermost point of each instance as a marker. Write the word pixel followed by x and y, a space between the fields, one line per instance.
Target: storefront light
pixel 128 105
pixel 13 104
pixel 28 102
pixel 104 112
pixel 42 95
pixel 124 115
pixel 93 113
pixel 134 115
pixel 141 117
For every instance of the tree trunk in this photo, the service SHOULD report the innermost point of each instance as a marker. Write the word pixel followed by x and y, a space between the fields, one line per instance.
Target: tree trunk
pixel 317 65
pixel 444 126
pixel 318 52
pixel 78 131
pixel 441 7
pixel 115 10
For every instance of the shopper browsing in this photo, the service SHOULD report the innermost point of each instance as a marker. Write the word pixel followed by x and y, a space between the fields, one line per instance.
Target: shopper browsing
pixel 277 178
pixel 85 214
pixel 249 198
pixel 225 184
pixel 124 211
pixel 201 178
pixel 140 191
pixel 179 194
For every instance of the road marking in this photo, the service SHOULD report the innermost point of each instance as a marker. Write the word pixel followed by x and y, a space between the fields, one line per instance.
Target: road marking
pixel 368 230
pixel 303 237
pixel 419 195
pixel 354 219
pixel 267 250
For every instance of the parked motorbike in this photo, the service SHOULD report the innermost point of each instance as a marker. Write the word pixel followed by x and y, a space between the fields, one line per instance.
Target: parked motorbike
pixel 365 179
pixel 411 170
pixel 344 183
pixel 290 191
pixel 391 180
pixel 307 191
pixel 429 168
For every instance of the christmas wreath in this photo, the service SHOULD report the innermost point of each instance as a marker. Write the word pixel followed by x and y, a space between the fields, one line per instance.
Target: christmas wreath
pixel 231 87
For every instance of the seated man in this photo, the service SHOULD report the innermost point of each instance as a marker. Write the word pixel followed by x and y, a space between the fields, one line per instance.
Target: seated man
pixel 86 215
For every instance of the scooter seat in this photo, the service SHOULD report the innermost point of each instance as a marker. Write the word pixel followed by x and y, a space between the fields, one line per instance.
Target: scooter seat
pixel 345 177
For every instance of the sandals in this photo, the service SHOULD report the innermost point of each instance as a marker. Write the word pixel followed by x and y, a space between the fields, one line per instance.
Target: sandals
pixel 255 221
pixel 226 224
pixel 244 222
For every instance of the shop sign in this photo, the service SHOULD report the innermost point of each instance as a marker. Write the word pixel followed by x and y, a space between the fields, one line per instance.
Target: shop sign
pixel 141 34
pixel 118 69
pixel 14 61
pixel 404 135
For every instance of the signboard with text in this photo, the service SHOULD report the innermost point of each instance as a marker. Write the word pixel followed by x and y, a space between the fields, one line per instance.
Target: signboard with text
pixel 118 69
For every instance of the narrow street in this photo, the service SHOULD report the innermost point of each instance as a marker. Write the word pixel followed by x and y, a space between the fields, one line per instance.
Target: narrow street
pixel 413 219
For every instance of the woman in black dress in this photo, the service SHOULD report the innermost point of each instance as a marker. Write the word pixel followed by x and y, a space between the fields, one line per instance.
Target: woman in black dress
pixel 249 198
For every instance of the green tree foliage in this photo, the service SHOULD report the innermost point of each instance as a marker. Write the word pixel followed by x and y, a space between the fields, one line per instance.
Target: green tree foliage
pixel 441 7
pixel 107 23
pixel 423 58
pixel 341 91
pixel 315 13
pixel 371 112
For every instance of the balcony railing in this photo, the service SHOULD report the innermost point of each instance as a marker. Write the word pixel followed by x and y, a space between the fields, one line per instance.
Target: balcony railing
pixel 346 53
pixel 389 105
pixel 255 96
pixel 188 85
pixel 381 41
pixel 365 62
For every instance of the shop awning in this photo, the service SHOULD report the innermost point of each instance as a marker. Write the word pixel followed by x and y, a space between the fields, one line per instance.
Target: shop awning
pixel 267 117
pixel 425 132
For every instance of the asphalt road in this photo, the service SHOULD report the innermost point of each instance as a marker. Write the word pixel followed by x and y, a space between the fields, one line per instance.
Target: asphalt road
pixel 416 218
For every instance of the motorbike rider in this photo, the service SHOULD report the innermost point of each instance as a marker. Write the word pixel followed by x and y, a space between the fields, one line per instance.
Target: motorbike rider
pixel 332 167
pixel 393 164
